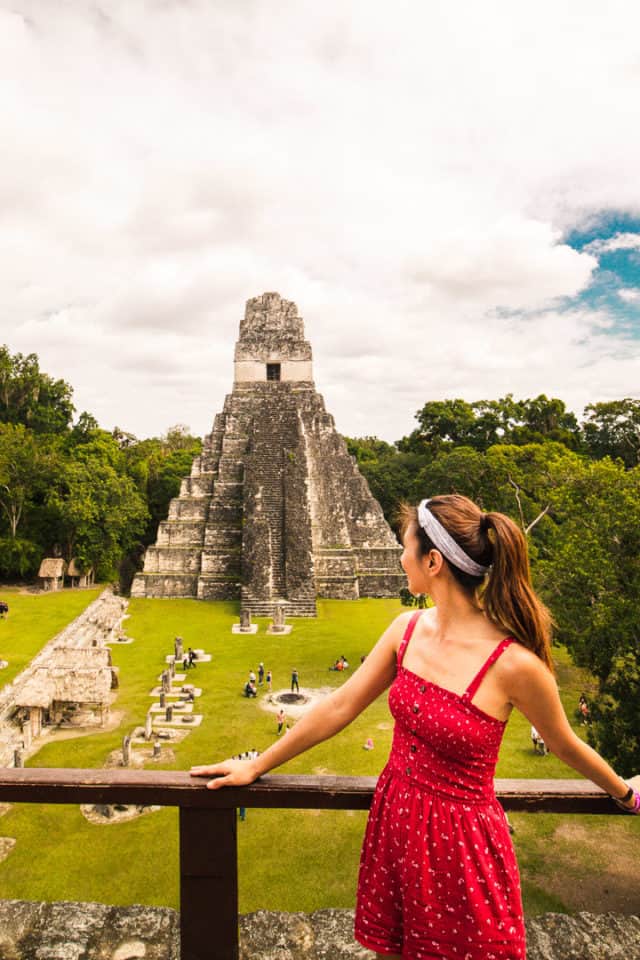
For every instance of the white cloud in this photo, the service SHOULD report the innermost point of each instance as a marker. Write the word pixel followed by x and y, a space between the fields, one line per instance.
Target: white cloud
pixel 403 173
pixel 630 294
pixel 620 241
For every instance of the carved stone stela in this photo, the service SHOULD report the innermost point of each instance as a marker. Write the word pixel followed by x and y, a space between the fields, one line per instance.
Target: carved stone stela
pixel 275 510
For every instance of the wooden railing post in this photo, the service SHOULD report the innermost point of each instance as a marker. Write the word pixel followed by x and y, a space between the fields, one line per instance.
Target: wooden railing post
pixel 208 884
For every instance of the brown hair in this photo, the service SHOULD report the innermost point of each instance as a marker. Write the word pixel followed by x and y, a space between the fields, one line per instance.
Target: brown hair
pixel 493 540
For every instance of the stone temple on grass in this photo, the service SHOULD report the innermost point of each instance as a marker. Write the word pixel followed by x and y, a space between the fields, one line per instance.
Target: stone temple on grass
pixel 275 510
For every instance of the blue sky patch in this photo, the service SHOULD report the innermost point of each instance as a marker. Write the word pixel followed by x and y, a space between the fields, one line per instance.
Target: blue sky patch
pixel 614 238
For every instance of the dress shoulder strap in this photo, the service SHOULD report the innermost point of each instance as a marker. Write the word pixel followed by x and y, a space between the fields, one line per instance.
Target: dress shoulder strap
pixel 471 690
pixel 407 636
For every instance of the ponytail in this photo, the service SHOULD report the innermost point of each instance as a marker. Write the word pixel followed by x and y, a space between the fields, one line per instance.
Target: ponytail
pixel 508 598
pixel 506 594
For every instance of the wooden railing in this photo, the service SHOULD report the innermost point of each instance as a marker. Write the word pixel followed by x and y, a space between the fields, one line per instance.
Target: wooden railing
pixel 208 821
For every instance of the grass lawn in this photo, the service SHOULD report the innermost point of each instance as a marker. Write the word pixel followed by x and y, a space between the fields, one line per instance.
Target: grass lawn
pixel 289 860
pixel 33 620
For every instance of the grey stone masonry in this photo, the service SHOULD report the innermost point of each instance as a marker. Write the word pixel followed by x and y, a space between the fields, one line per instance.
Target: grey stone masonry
pixel 70 931
pixel 275 509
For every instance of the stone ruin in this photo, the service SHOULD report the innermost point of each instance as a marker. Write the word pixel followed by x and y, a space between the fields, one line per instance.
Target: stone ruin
pixel 275 510
pixel 69 683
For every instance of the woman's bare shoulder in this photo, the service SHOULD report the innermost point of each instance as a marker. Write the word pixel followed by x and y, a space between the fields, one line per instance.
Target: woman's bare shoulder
pixel 520 666
pixel 397 628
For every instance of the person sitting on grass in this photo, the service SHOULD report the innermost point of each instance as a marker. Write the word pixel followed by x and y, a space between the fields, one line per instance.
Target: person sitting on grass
pixel 438 873
pixel 250 689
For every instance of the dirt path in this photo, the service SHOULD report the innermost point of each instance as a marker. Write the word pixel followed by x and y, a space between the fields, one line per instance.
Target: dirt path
pixel 591 863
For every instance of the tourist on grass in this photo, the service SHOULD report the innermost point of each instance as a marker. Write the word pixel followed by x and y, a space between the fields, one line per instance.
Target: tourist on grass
pixel 252 676
pixel 368 744
pixel 250 689
pixel 584 709
pixel 269 678
pixel 294 681
pixel 438 875
pixel 193 656
pixel 261 673
pixel 4 610
pixel 539 746
pixel 282 720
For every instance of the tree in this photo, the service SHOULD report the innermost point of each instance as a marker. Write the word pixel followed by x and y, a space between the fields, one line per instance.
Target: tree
pixel 21 473
pixel 442 423
pixel 446 424
pixel 31 397
pixel 100 512
pixel 612 429
pixel 591 579
pixel 546 419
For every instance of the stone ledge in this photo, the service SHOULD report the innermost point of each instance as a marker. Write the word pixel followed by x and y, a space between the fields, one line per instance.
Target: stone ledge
pixel 68 931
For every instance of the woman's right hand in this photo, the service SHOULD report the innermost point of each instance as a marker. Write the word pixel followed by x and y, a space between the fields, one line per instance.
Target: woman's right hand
pixel 228 773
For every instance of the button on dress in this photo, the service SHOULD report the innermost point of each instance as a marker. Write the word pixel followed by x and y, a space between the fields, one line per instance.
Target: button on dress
pixel 438 873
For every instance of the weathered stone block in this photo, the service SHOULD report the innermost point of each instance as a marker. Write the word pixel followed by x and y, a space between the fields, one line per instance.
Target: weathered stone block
pixel 189 508
pixel 68 931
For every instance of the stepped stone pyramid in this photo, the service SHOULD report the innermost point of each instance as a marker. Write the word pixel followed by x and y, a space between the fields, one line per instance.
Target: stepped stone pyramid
pixel 275 510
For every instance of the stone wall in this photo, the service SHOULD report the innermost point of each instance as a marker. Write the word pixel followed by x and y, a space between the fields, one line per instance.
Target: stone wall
pixel 70 931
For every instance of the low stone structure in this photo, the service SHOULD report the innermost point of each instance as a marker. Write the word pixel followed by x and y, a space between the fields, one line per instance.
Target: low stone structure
pixel 79 576
pixel 32 931
pixel 275 510
pixel 51 573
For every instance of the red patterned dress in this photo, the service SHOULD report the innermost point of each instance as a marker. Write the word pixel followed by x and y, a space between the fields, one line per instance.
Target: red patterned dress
pixel 438 874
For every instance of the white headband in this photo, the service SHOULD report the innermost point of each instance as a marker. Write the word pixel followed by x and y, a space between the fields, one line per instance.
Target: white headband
pixel 445 543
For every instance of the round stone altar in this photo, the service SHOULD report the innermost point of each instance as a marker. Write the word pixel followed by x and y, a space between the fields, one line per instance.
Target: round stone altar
pixel 294 704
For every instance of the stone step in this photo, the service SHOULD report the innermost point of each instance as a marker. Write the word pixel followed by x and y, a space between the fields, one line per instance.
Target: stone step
pixel 214 587
pixel 165 585
pixel 201 486
pixel 292 608
pixel 172 560
pixel 180 533
pixel 189 508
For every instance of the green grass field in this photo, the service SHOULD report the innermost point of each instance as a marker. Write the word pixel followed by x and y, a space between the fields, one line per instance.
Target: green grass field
pixel 289 860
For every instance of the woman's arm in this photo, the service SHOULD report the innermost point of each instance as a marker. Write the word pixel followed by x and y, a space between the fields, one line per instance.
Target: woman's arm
pixel 322 722
pixel 531 688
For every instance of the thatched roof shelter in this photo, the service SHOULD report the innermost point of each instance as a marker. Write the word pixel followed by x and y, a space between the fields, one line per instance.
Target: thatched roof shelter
pixel 72 658
pixel 63 684
pixel 52 568
pixel 38 691
pixel 81 686
pixel 76 570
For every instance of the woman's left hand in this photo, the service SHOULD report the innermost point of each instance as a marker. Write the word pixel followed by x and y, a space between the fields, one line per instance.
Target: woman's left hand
pixel 634 783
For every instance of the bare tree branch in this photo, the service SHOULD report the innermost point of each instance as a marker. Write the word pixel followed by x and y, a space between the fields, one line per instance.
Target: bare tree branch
pixel 539 517
pixel 517 490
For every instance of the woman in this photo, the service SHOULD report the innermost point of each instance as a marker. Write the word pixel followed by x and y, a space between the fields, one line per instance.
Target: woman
pixel 438 877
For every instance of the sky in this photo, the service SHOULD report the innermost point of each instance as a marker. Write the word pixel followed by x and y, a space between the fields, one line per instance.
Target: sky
pixel 448 191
